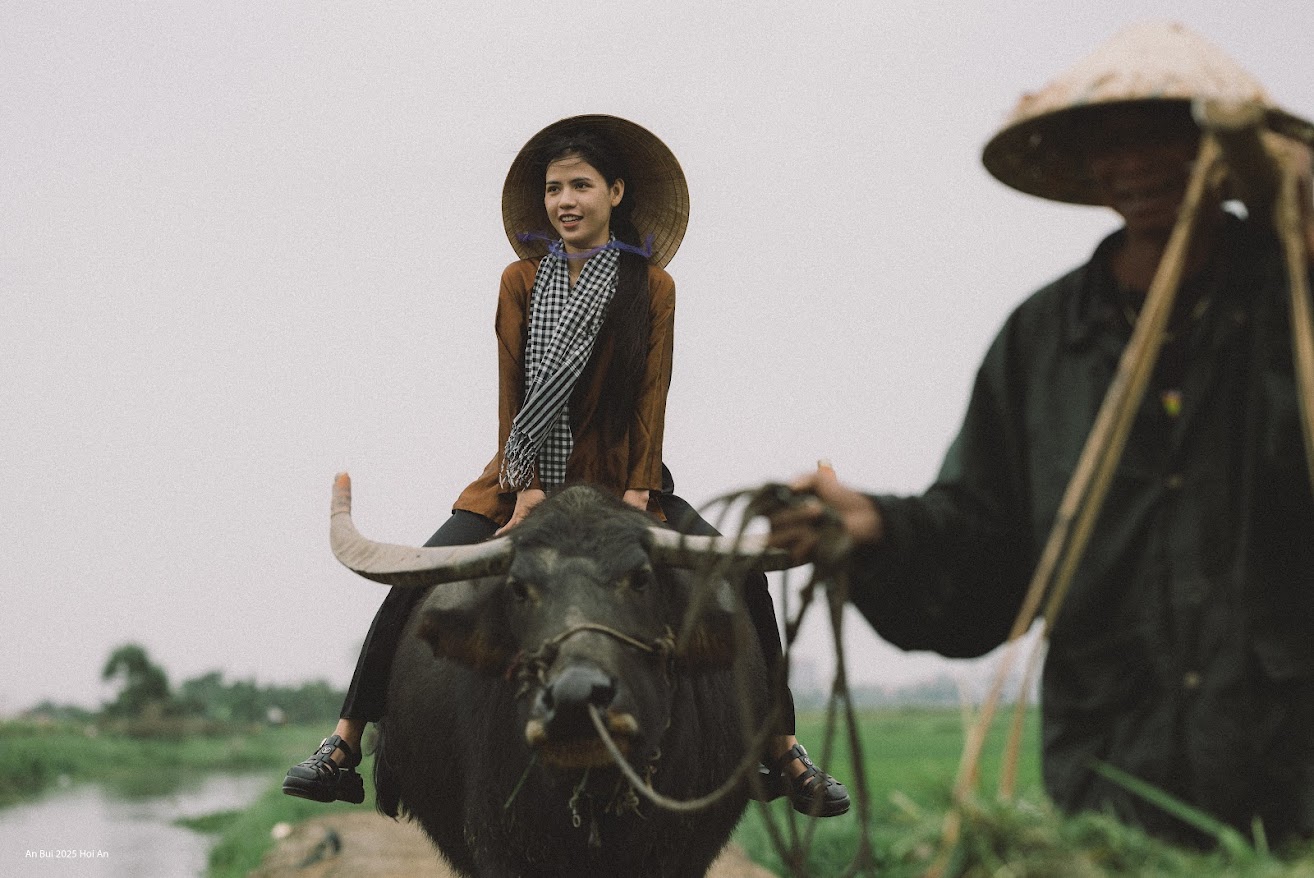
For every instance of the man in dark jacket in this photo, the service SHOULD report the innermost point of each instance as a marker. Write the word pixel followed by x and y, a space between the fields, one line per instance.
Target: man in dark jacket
pixel 1183 653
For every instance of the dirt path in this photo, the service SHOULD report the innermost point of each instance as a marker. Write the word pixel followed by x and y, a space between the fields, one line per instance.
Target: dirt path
pixel 369 845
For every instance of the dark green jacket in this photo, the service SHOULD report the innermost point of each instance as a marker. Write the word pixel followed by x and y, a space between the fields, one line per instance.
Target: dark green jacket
pixel 1184 652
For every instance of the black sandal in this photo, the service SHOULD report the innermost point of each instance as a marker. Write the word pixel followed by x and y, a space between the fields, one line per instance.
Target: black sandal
pixel 813 792
pixel 323 780
pixel 771 785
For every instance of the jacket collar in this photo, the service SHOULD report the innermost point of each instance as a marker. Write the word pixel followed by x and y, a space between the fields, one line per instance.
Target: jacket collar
pixel 1095 309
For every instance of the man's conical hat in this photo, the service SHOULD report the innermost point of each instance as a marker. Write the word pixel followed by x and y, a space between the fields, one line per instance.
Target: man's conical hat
pixel 1039 150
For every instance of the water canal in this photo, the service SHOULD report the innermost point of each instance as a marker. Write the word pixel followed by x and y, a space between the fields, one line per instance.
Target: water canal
pixel 90 830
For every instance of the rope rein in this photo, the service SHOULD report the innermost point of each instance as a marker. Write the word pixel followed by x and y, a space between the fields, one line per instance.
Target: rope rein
pixel 829 579
pixel 531 667
pixel 661 646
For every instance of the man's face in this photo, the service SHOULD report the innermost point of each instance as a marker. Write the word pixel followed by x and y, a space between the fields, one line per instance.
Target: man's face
pixel 1140 160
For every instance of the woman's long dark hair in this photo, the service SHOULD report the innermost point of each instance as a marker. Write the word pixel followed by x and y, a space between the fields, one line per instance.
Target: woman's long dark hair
pixel 626 323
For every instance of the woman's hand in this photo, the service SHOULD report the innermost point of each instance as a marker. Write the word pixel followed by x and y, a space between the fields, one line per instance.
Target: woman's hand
pixel 525 501
pixel 637 499
pixel 796 529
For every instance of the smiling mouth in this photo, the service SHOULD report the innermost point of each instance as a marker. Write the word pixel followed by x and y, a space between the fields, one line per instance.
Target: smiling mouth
pixel 1150 194
pixel 569 219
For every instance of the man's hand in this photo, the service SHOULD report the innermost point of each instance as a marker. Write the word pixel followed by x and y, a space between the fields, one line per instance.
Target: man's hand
pixel 525 501
pixel 796 529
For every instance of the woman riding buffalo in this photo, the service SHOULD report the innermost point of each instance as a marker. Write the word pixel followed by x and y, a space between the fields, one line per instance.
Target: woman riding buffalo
pixel 585 329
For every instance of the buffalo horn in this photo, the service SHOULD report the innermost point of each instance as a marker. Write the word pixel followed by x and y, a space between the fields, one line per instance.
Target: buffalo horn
pixel 681 550
pixel 406 565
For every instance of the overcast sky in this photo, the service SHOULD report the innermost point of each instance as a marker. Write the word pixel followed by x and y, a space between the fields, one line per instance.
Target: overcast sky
pixel 244 246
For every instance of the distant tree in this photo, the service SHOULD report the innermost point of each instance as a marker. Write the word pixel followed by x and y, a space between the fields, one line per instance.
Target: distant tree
pixel 313 702
pixel 244 701
pixel 205 696
pixel 63 713
pixel 142 683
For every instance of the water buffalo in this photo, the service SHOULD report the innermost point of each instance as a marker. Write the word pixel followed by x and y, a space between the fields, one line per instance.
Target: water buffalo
pixel 488 742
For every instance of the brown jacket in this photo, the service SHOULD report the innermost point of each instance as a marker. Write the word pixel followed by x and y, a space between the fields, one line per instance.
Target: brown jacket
pixel 633 462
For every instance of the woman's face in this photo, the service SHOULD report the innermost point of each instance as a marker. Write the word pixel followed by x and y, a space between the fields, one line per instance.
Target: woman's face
pixel 579 203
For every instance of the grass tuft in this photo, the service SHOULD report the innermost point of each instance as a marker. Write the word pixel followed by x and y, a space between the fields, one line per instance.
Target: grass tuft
pixel 911 756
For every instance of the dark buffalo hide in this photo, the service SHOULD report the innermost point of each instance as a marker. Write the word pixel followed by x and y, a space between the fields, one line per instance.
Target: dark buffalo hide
pixel 582 617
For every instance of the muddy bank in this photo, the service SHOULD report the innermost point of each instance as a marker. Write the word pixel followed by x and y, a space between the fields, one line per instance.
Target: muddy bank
pixel 369 845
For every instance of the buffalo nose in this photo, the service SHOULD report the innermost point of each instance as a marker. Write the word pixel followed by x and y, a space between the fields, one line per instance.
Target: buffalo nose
pixel 562 705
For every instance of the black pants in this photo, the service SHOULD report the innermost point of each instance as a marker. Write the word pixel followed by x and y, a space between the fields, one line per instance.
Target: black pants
pixel 368 692
pixel 366 697
pixel 761 611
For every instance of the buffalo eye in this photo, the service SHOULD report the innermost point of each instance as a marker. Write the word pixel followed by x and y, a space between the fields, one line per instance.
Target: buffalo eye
pixel 519 590
pixel 641 578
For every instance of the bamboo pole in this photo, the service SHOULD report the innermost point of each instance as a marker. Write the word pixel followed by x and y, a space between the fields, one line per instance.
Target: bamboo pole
pixel 1085 492
pixel 1290 223
pixel 1269 188
pixel 1084 496
pixel 1270 182
pixel 1252 174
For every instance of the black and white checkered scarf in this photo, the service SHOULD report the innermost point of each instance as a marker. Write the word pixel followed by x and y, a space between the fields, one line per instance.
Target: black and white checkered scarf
pixel 563 325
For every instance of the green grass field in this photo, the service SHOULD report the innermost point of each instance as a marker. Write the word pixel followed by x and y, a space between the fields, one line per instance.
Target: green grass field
pixel 910 759
pixel 36 757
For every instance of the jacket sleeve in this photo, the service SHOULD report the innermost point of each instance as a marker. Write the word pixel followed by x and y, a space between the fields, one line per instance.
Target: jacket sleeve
pixel 953 566
pixel 649 426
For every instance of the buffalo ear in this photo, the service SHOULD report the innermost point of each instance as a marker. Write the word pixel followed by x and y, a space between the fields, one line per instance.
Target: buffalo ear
pixel 468 627
pixel 707 640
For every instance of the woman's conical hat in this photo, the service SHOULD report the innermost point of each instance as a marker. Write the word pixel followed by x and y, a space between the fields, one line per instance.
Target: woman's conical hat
pixel 661 195
pixel 1039 151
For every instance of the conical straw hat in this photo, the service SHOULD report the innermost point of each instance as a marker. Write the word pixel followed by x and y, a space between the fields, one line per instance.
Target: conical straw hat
pixel 1039 151
pixel 653 175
